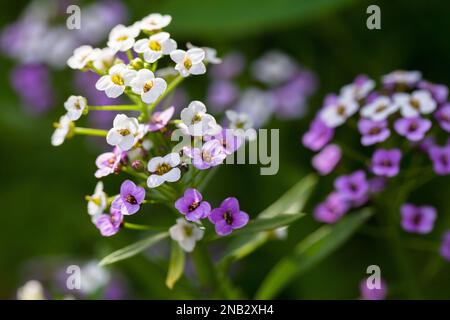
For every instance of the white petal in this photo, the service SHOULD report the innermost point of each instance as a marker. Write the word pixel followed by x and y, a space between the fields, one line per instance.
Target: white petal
pixel 176 232
pixel 198 68
pixel 173 159
pixel 196 55
pixel 127 142
pixel 173 175
pixel 151 56
pixel 168 46
pixel 141 46
pixel 114 91
pixel 178 55
pixel 103 83
pixel 113 137
pixel 153 163
pixel 187 244
pixel 154 181
pixel 120 120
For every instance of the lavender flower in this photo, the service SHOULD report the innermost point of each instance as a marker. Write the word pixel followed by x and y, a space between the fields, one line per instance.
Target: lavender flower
pixel 353 187
pixel 232 65
pixel 373 293
pixel 109 162
pixel 442 115
pixel 417 219
pixel 228 140
pixel 440 156
pixel 414 129
pixel 130 199
pixel 221 94
pixel 191 204
pixel 439 92
pixel 445 247
pixel 210 155
pixel 332 209
pixel 373 131
pixel 160 119
pixel 228 217
pixel 386 163
pixel 109 224
pixel 317 136
pixel 327 159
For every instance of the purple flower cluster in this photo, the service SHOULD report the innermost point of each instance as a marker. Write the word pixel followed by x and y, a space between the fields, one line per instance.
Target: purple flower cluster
pixel 226 218
pixel 406 113
pixel 287 86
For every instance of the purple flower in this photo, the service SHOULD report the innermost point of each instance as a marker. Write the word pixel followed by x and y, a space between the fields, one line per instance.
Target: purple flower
pixel 228 217
pixel 231 66
pixel 192 206
pixel 371 293
pixel 32 83
pixel 426 144
pixel 228 140
pixel 386 163
pixel 414 129
pixel 417 219
pixel 377 184
pixel 221 94
pixel 109 224
pixel 210 155
pixel 445 247
pixel 327 159
pixel 439 92
pixel 160 119
pixel 442 115
pixel 373 131
pixel 332 209
pixel 109 162
pixel 353 187
pixel 130 199
pixel 440 156
pixel 317 136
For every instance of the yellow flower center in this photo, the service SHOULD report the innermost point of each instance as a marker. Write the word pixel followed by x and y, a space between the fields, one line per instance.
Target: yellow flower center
pixel 122 38
pixel 154 45
pixel 188 230
pixel 117 79
pixel 124 132
pixel 187 63
pixel 197 118
pixel 415 103
pixel 163 168
pixel 148 86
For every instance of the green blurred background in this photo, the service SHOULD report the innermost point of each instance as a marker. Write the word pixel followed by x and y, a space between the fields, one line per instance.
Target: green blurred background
pixel 43 213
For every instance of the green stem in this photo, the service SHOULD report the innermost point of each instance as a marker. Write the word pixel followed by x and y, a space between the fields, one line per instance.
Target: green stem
pixel 90 132
pixel 141 227
pixel 129 55
pixel 131 171
pixel 175 82
pixel 115 108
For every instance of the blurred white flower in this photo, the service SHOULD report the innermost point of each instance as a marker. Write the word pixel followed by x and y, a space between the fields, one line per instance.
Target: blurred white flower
pixel 80 58
pixel 102 59
pixel 186 234
pixel 189 62
pixel 114 83
pixel 416 103
pixel 124 132
pixel 32 290
pixel 273 68
pixel 338 112
pixel 401 77
pixel 75 107
pixel 379 109
pixel 163 169
pixel 156 46
pixel 154 22
pixel 210 54
pixel 97 202
pixel 62 130
pixel 93 277
pixel 257 104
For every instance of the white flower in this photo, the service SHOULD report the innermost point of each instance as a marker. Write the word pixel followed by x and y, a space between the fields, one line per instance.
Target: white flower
pixel 102 59
pixel 97 202
pixel 149 87
pixel 163 169
pixel 63 128
pixel 75 107
pixel 210 54
pixel 358 91
pixel 414 104
pixel 273 68
pixel 156 46
pixel 80 58
pixel 121 38
pixel 155 21
pixel 124 132
pixel 196 122
pixel 379 109
pixel 32 290
pixel 186 234
pixel 239 120
pixel 338 112
pixel 189 62
pixel 407 78
pixel 114 83
pixel 93 277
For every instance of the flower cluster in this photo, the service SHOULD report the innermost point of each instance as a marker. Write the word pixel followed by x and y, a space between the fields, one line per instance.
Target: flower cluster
pixel 283 88
pixel 144 64
pixel 395 125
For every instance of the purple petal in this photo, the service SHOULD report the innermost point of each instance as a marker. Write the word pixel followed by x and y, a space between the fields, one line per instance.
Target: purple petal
pixel 240 219
pixel 230 204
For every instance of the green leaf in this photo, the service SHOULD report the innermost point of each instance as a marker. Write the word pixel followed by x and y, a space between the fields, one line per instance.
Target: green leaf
pixel 176 265
pixel 133 249
pixel 292 202
pixel 310 252
pixel 267 224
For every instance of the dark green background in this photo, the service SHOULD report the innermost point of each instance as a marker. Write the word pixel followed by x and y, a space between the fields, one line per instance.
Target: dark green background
pixel 42 211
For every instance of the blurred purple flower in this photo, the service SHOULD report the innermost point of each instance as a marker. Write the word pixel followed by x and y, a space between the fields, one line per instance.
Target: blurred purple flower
pixel 353 187
pixel 442 115
pixel 327 159
pixel 440 156
pixel 445 247
pixel 417 219
pixel 160 119
pixel 221 94
pixel 32 83
pixel 108 162
pixel 232 65
pixel 332 209
pixel 373 293
pixel 439 92
pixel 191 204
pixel 228 217
pixel 317 136
pixel 377 184
pixel 386 163
pixel 414 129
pixel 373 131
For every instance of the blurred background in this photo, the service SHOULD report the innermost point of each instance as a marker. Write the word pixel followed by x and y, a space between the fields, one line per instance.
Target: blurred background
pixel 43 219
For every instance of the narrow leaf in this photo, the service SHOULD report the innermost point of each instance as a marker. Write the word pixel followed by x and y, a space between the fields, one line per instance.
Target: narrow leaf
pixel 267 224
pixel 132 249
pixel 310 252
pixel 176 265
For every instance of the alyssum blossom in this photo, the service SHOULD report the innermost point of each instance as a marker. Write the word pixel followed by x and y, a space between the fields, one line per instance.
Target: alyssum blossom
pixel 114 83
pixel 189 62
pixel 147 86
pixel 63 129
pixel 156 46
pixel 196 122
pixel 163 169
pixel 417 219
pixel 192 205
pixel 75 107
pixel 228 217
pixel 123 133
pixel 186 234
pixel 97 202
pixel 131 197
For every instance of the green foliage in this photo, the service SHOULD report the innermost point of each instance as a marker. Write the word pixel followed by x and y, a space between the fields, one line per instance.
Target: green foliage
pixel 176 265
